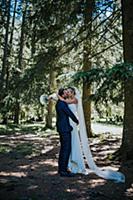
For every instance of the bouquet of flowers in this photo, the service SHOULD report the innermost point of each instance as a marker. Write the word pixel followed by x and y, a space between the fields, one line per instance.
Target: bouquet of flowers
pixel 44 99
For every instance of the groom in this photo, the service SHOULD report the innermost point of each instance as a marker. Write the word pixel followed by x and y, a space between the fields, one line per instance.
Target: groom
pixel 64 129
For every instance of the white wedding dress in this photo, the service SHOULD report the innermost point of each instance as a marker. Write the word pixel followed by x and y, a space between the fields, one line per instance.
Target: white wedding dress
pixel 81 149
pixel 76 161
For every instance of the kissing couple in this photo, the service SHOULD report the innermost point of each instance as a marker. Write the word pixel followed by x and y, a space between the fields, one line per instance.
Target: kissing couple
pixel 74 146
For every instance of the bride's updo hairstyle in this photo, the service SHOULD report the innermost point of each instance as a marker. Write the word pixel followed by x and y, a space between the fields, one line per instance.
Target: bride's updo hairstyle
pixel 72 89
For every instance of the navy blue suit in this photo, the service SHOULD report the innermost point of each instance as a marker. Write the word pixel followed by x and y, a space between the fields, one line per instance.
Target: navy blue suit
pixel 64 128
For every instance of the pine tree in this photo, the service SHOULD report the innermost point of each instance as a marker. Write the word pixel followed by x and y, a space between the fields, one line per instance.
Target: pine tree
pixel 127 141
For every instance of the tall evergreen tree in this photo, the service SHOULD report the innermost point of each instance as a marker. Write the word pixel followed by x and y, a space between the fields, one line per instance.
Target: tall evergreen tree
pixel 87 63
pixel 4 70
pixel 127 142
pixel 20 60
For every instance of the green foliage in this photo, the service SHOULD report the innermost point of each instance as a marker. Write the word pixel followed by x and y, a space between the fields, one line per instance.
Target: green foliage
pixel 53 38
pixel 108 83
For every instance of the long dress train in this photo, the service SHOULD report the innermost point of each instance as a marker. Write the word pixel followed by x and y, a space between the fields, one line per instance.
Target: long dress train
pixel 84 145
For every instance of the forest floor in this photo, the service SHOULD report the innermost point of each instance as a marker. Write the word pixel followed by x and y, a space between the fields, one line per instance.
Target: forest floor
pixel 28 167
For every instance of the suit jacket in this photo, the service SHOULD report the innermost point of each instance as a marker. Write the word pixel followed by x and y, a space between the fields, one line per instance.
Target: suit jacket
pixel 63 114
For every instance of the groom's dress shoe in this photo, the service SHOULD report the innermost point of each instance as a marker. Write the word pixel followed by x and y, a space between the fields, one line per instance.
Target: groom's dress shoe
pixel 66 174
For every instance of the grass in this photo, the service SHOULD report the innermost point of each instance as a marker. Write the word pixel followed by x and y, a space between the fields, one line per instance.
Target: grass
pixel 4 148
pixel 24 149
pixel 20 149
pixel 9 134
pixel 22 128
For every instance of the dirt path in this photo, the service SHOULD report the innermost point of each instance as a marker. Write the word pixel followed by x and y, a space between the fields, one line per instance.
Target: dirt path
pixel 28 170
pixel 106 128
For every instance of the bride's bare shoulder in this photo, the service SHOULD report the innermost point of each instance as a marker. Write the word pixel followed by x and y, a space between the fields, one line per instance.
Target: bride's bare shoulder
pixel 72 100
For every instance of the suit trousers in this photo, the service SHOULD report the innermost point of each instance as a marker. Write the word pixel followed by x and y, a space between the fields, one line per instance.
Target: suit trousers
pixel 65 150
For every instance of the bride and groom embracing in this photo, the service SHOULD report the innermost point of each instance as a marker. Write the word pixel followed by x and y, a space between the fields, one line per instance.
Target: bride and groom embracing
pixel 74 146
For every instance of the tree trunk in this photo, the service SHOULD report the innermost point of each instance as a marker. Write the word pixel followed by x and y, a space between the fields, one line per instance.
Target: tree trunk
pixel 10 45
pixel 127 141
pixel 16 112
pixel 52 88
pixel 5 62
pixel 49 115
pixel 20 58
pixel 89 5
pixel 33 41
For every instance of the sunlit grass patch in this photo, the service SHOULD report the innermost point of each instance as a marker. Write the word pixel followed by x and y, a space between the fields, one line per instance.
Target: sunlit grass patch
pixel 9 129
pixel 4 148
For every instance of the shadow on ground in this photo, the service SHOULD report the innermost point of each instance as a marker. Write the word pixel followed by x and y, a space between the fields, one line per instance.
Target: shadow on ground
pixel 28 171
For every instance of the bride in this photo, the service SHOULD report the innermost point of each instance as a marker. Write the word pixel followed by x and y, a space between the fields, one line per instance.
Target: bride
pixel 80 146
